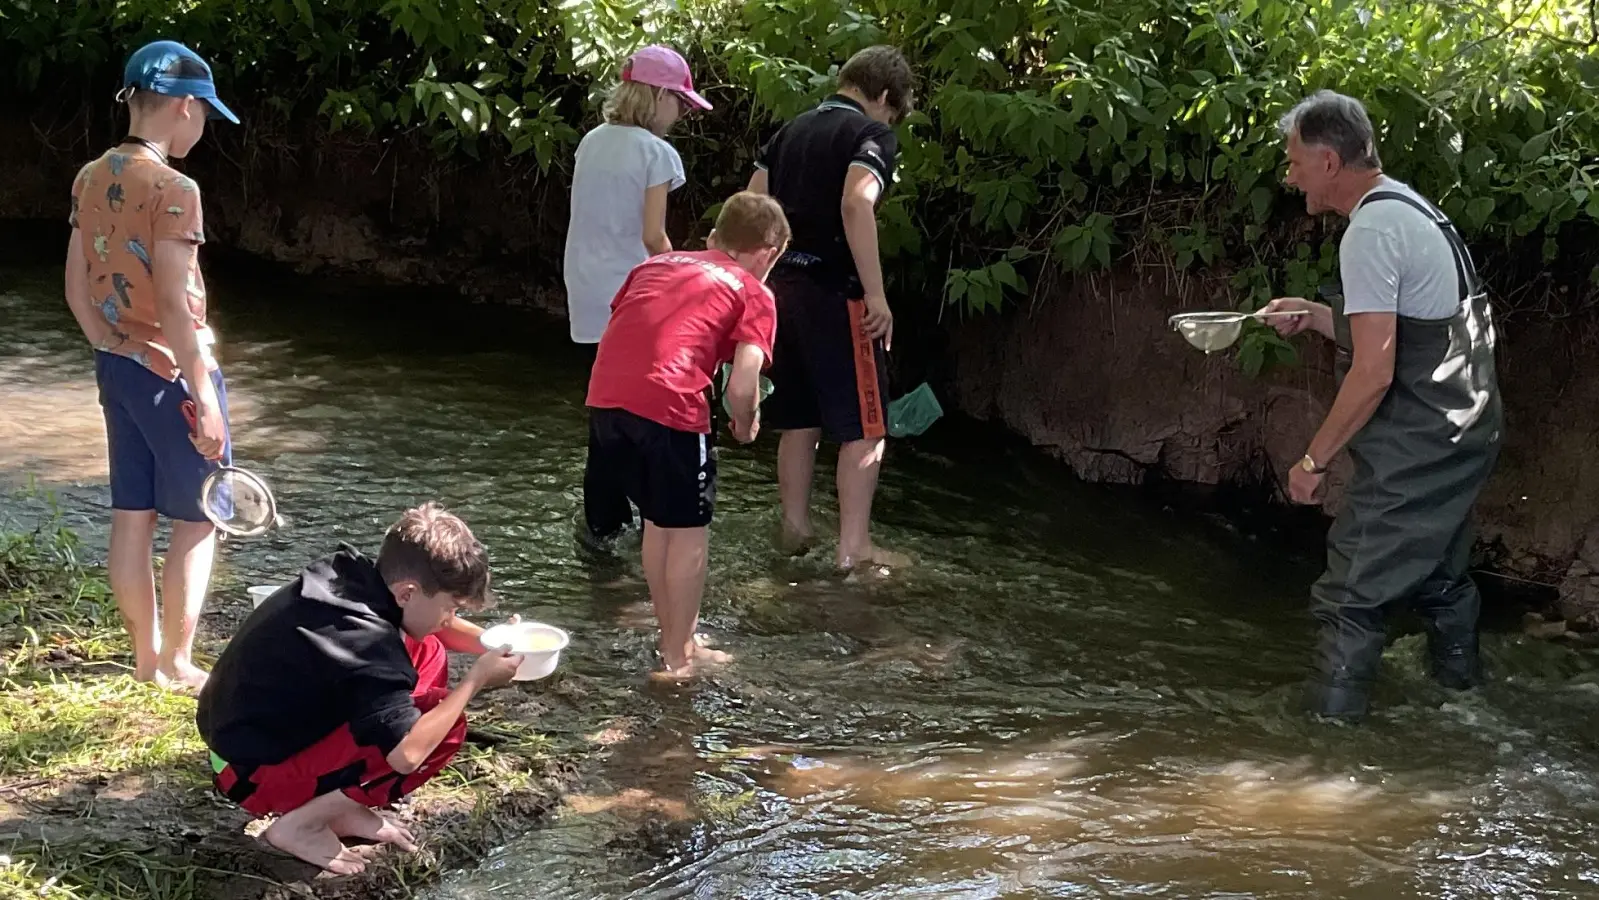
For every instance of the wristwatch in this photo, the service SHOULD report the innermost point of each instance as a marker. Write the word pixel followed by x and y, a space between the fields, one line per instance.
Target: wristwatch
pixel 1309 465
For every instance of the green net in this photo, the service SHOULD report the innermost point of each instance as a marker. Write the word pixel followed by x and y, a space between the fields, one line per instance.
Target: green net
pixel 913 413
pixel 727 372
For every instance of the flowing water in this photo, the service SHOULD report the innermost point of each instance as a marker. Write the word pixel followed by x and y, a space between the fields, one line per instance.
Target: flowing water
pixel 1073 694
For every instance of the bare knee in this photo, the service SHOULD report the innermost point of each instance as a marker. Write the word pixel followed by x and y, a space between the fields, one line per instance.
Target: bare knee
pixel 191 534
pixel 863 453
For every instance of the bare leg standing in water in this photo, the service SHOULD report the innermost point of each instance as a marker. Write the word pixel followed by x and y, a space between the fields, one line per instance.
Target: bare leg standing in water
pixel 858 464
pixel 675 562
pixel 796 470
pixel 829 167
pixel 676 321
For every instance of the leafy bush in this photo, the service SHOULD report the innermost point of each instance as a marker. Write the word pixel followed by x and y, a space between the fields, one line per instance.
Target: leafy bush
pixel 1053 134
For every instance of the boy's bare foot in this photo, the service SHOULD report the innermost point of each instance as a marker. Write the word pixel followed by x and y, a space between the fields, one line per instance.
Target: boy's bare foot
pixel 308 838
pixel 700 651
pixel 874 556
pixel 182 675
pixel 150 674
pixel 673 674
pixel 794 540
pixel 365 822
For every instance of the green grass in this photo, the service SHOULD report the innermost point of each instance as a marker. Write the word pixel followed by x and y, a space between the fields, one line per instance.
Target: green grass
pixel 79 727
pixel 108 875
pixel 54 610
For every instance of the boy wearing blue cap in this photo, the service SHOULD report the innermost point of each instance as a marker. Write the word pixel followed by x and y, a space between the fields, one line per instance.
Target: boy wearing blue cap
pixel 133 283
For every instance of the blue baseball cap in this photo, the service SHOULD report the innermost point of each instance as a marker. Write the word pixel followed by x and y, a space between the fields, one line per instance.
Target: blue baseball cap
pixel 148 70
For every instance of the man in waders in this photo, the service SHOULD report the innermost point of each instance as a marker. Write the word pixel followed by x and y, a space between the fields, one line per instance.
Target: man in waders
pixel 1417 407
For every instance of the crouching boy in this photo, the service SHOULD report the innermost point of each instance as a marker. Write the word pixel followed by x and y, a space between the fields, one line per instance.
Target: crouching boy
pixel 676 320
pixel 332 700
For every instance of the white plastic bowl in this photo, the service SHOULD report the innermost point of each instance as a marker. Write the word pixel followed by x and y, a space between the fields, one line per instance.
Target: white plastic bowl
pixel 260 592
pixel 522 638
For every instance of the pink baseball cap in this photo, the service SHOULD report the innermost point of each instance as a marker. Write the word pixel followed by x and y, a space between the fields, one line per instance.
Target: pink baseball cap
pixel 663 67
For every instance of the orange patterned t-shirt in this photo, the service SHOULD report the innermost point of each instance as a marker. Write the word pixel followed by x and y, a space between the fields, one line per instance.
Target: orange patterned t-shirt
pixel 123 204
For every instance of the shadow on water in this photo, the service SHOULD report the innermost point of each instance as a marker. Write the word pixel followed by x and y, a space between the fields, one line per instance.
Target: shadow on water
pixel 1074 693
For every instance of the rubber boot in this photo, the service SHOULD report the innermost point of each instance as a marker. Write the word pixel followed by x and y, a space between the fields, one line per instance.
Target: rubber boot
pixel 1451 617
pixel 1348 655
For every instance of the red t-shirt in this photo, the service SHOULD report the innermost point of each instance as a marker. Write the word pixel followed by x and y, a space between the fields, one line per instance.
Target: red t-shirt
pixel 677 318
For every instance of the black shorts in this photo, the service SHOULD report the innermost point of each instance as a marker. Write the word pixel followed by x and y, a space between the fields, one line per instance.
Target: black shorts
pixel 826 372
pixel 669 474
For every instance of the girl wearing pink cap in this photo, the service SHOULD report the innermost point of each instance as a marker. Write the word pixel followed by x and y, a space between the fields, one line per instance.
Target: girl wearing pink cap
pixel 625 169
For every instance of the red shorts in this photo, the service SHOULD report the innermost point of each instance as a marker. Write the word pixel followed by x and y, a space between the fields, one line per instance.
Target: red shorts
pixel 338 763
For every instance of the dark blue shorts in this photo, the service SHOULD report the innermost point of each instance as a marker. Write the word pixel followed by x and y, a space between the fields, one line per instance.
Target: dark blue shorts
pixel 153 464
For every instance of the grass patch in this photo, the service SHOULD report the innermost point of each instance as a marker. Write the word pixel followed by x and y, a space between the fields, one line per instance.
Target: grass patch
pixel 68 728
pixel 54 610
pixel 109 875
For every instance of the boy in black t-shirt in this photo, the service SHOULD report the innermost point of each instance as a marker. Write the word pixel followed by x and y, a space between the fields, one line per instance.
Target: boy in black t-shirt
pixel 331 699
pixel 828 168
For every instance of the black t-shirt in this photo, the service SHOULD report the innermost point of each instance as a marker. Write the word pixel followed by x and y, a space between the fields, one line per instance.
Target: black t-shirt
pixel 806 164
pixel 325 650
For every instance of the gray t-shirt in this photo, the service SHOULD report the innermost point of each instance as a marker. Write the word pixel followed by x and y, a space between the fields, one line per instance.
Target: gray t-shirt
pixel 1393 259
pixel 616 164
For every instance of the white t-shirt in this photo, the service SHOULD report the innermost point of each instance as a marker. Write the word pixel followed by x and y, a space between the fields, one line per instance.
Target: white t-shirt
pixel 1394 259
pixel 616 164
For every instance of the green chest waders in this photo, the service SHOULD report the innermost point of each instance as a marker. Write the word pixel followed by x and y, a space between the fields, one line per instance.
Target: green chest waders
pixel 1404 534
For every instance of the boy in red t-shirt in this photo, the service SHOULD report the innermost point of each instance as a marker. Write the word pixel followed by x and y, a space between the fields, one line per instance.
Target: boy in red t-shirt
pixel 678 317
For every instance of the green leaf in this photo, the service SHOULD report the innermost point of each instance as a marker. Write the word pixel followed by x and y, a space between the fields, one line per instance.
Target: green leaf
pixel 1080 250
pixel 1260 200
pixel 1006 274
pixel 1217 115
pixel 1252 357
pixel 1102 253
pixel 1013 215
pixel 1118 126
pixel 1540 198
pixel 304 9
pixel 1478 210
pixel 1535 146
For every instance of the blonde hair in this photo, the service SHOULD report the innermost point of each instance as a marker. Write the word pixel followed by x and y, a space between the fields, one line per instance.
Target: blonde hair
pixel 632 103
pixel 749 222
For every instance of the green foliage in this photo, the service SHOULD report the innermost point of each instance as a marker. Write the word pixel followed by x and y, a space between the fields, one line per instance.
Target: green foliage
pixel 1051 132
pixel 51 603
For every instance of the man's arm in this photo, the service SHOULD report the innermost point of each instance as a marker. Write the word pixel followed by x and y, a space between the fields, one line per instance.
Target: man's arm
pixel 655 239
pixel 744 391
pixel 1369 267
pixel 758 182
pixel 80 299
pixel 1370 373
